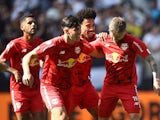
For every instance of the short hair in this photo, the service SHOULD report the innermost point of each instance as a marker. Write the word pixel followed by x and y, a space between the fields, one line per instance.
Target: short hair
pixel 117 25
pixel 86 13
pixel 26 15
pixel 69 21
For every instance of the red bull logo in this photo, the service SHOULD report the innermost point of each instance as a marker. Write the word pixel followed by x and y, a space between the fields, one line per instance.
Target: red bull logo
pixel 115 57
pixel 34 62
pixel 67 63
pixel 83 58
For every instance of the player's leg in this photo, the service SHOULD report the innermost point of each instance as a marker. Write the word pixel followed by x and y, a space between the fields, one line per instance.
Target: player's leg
pixel 20 104
pixel 108 102
pixel 89 100
pixel 23 116
pixel 129 98
pixel 37 106
pixel 134 116
pixel 59 113
pixel 93 112
pixel 52 96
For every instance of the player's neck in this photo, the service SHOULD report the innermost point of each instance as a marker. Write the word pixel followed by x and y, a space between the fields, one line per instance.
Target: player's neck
pixel 28 37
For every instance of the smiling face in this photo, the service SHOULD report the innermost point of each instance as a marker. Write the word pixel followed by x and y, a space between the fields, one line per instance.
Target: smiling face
pixel 29 26
pixel 88 29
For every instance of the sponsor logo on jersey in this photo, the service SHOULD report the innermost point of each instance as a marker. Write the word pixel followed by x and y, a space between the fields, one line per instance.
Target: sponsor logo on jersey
pixel 67 63
pixel 115 57
pixel 34 62
pixel 83 58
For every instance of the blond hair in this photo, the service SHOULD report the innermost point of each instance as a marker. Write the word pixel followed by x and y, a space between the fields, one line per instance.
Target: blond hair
pixel 117 25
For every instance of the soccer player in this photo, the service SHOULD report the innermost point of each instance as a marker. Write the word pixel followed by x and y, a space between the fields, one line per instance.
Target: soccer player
pixel 120 49
pixel 61 54
pixel 26 101
pixel 83 92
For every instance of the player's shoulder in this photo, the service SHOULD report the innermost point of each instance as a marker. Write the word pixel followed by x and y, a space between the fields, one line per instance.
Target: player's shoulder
pixel 53 41
pixel 39 39
pixel 131 37
pixel 15 41
pixel 57 40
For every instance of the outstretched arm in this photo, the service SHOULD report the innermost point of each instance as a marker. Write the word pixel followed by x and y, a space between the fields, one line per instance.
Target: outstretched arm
pixel 155 72
pixel 97 53
pixel 27 78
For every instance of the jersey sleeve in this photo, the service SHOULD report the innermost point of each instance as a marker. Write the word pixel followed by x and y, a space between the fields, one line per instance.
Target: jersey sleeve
pixel 87 48
pixel 45 48
pixel 8 51
pixel 140 48
pixel 96 44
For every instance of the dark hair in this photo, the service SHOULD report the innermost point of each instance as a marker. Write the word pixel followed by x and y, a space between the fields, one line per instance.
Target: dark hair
pixel 26 15
pixel 86 13
pixel 69 21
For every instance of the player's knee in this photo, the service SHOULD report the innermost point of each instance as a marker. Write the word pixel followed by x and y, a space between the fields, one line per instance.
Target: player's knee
pixel 59 113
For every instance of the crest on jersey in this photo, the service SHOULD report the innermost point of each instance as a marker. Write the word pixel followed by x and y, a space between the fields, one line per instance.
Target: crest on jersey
pixel 77 50
pixel 124 46
pixel 62 52
pixel 24 50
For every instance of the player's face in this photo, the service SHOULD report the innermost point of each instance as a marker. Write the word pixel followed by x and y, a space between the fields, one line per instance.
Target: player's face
pixel 88 29
pixel 29 26
pixel 118 36
pixel 74 34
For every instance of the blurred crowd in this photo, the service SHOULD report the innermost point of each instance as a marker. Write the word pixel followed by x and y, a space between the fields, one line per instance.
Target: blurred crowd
pixel 142 16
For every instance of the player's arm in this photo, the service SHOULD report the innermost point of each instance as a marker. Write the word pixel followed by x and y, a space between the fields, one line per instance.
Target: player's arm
pixel 5 68
pixel 155 72
pixel 97 53
pixel 27 78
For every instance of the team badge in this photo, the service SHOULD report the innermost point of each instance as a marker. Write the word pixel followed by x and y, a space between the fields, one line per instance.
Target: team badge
pixel 124 46
pixel 77 50
pixel 62 52
pixel 24 50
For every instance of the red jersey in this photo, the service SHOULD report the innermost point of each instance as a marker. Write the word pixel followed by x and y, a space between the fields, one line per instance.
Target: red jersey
pixel 121 58
pixel 84 67
pixel 60 59
pixel 14 52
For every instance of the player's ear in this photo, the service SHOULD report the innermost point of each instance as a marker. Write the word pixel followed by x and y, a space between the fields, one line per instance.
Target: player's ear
pixel 22 26
pixel 66 30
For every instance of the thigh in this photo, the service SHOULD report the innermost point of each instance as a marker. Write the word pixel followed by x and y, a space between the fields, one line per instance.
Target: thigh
pixel 59 113
pixel 37 103
pixel 20 101
pixel 89 98
pixel 129 97
pixel 108 101
pixel 52 96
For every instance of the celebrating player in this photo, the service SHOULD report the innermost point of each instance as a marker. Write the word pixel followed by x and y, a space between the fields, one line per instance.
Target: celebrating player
pixel 61 54
pixel 83 92
pixel 120 82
